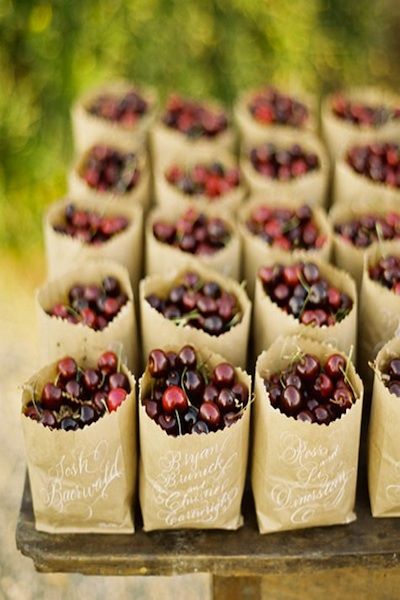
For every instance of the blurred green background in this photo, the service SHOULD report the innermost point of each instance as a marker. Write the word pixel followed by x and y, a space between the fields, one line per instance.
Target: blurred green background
pixel 51 51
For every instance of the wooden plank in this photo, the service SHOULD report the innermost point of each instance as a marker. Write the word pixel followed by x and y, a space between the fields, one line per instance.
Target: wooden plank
pixel 368 543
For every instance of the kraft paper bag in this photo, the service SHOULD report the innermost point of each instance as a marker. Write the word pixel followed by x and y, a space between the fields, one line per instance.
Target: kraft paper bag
pixel 251 129
pixel 58 337
pixel 88 129
pixel 165 141
pixel 162 258
pixel 350 187
pixel 169 196
pixel 303 474
pixel 347 256
pixel 383 440
pixel 139 195
pixel 270 321
pixel 256 252
pixel 379 310
pixel 339 133
pixel 310 188
pixel 82 481
pixel 158 330
pixel 64 252
pixel 192 481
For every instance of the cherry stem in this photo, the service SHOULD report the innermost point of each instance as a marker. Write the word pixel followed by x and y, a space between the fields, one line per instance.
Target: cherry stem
pixel 178 420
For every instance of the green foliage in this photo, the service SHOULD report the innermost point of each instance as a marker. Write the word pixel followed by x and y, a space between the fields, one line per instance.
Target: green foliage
pixel 50 51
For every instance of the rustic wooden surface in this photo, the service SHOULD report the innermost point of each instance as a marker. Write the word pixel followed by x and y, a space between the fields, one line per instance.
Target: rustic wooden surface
pixel 368 543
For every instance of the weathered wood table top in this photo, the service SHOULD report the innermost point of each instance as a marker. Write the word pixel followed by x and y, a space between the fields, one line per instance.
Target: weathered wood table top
pixel 371 543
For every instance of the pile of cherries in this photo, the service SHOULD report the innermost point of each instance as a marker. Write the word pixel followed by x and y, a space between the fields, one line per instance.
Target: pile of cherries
pixel 193 119
pixel 194 232
pixel 88 226
pixel 359 113
pixel 78 397
pixel 185 397
pixel 366 229
pixel 212 180
pixel 91 304
pixel 283 164
pixel 286 228
pixel 270 106
pixel 125 110
pixel 300 290
pixel 379 161
pixel 310 391
pixel 387 272
pixel 200 304
pixel 391 376
pixel 107 169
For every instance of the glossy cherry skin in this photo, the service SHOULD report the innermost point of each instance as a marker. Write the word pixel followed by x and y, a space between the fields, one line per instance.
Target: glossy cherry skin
pixel 335 366
pixel 51 396
pixel 115 398
pixel 223 375
pixel 108 362
pixel 157 363
pixel 210 414
pixel 67 368
pixel 174 398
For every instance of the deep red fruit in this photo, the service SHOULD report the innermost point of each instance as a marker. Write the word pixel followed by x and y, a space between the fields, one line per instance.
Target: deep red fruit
pixel 108 362
pixel 335 366
pixel 308 367
pixel 291 400
pixel 210 414
pixel 51 396
pixel 187 357
pixel 223 375
pixel 157 363
pixel 115 398
pixel 174 398
pixel 67 368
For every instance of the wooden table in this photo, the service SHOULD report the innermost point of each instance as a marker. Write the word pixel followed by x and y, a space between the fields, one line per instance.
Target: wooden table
pixel 237 560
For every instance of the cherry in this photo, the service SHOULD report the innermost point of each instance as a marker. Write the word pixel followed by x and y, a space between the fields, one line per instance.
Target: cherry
pixel 335 366
pixel 269 105
pixel 115 398
pixel 108 362
pixel 157 363
pixel 174 398
pixel 306 415
pixel 151 407
pixel 200 427
pixel 291 399
pixel 119 380
pixel 91 379
pixel 48 418
pixel 282 164
pixel 87 414
pixel 51 396
pixel 69 424
pixel 241 394
pixel 73 388
pixel 168 423
pixel 124 110
pixel 394 388
pixel 107 169
pixel 67 368
pixel 394 368
pixel 193 119
pixel 226 400
pixel 210 414
pixel 308 367
pixel 223 375
pixel 212 180
pixel 187 357
pixel 193 383
pixel 323 384
pixel 322 415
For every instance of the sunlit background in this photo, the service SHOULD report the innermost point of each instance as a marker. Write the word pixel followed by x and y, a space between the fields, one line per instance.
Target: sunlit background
pixel 52 51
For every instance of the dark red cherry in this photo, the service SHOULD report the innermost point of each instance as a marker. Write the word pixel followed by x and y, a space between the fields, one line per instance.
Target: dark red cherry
pixel 308 367
pixel 115 397
pixel 226 400
pixel 108 362
pixel 174 398
pixel 335 366
pixel 323 385
pixel 306 416
pixel 291 400
pixel 168 423
pixel 158 363
pixel 67 368
pixel 210 414
pixel 91 379
pixel 187 357
pixel 321 415
pixel 200 427
pixel 51 396
pixel 119 380
pixel 223 375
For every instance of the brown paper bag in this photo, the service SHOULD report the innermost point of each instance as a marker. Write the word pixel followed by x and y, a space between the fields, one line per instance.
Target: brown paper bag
pixel 256 252
pixel 139 195
pixel 64 252
pixel 310 188
pixel 346 255
pixel 166 141
pixel 379 310
pixel 58 337
pixel 194 481
pixel 169 196
pixel 303 474
pixel 350 187
pixel 161 258
pixel 158 330
pixel 339 134
pixel 252 130
pixel 383 440
pixel 88 129
pixel 270 320
pixel 82 481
